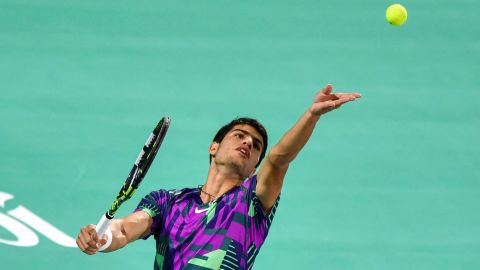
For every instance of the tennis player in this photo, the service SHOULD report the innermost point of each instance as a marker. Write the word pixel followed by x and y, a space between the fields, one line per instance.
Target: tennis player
pixel 223 223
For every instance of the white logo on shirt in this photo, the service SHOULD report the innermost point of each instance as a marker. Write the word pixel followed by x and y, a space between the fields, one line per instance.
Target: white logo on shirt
pixel 198 211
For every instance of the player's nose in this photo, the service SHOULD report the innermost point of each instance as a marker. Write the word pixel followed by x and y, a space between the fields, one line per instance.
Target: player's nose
pixel 248 141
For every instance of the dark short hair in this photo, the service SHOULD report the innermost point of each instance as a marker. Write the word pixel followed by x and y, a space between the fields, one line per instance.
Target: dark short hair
pixel 244 121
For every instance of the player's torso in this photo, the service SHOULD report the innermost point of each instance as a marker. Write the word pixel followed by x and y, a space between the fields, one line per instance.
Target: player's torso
pixel 193 231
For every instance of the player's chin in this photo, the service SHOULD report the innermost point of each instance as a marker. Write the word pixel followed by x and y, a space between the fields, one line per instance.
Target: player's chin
pixel 242 168
pixel 240 161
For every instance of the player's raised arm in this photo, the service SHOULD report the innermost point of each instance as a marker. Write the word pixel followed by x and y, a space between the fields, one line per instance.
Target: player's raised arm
pixel 272 171
pixel 123 231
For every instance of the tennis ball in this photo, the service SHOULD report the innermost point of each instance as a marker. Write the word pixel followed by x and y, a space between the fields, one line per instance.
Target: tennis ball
pixel 396 14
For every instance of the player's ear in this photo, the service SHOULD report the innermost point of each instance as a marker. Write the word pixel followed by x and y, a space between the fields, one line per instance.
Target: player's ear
pixel 213 148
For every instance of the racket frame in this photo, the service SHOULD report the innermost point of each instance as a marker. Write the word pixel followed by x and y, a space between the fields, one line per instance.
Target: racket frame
pixel 137 173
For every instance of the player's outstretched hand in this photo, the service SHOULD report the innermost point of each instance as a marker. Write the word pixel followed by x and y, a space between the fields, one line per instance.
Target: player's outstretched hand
pixel 87 240
pixel 326 101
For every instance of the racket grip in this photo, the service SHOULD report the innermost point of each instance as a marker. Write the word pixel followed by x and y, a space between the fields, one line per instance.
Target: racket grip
pixel 103 225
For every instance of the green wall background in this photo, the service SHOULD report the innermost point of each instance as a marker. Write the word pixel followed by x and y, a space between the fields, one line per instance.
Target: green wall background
pixel 388 182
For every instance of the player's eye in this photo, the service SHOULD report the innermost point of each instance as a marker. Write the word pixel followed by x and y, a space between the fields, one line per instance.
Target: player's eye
pixel 239 135
pixel 256 146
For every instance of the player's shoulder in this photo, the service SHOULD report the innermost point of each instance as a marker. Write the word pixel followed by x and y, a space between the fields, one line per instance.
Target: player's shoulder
pixel 250 182
pixel 173 194
pixel 177 193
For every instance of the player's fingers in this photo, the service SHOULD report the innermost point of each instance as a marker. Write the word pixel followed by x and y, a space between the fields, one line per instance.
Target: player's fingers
pixel 85 235
pixel 84 247
pixel 342 100
pixel 90 237
pixel 92 249
pixel 92 244
pixel 87 244
pixel 333 97
pixel 327 89
pixel 335 101
pixel 81 244
pixel 356 95
pixel 347 95
pixel 89 251
pixel 92 231
pixel 94 235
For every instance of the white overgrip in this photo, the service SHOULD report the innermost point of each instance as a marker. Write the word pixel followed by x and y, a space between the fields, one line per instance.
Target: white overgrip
pixel 102 226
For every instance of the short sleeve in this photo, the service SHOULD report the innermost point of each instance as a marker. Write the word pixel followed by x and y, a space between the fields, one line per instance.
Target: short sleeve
pixel 260 221
pixel 154 204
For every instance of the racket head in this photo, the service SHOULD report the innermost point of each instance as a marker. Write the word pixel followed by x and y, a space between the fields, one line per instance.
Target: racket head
pixel 159 132
pixel 141 166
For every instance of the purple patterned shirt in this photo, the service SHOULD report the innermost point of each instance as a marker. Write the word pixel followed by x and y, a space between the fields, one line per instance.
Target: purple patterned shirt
pixel 192 235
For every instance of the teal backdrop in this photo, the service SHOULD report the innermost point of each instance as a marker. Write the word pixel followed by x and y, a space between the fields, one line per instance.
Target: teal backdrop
pixel 390 181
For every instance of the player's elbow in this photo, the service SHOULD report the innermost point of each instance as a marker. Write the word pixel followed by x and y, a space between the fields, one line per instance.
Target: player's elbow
pixel 279 158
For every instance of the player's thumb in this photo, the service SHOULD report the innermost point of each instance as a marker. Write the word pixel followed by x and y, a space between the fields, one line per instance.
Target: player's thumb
pixel 101 242
pixel 327 89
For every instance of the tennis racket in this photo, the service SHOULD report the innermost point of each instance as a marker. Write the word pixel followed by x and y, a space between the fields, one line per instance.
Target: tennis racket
pixel 138 172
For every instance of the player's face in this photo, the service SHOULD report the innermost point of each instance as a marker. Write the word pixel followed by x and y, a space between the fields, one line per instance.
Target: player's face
pixel 240 149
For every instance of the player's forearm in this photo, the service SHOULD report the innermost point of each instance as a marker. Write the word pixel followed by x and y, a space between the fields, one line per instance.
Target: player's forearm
pixel 293 141
pixel 119 239
pixel 129 229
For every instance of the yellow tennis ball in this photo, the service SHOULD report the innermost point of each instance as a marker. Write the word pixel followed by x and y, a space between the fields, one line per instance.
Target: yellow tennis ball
pixel 396 14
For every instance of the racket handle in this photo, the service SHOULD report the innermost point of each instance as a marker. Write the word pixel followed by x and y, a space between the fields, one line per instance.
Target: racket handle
pixel 103 225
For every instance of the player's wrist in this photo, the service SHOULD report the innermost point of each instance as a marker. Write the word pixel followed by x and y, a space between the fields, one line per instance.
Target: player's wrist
pixel 313 115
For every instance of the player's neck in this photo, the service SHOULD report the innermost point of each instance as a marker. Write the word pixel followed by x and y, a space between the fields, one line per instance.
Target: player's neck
pixel 220 180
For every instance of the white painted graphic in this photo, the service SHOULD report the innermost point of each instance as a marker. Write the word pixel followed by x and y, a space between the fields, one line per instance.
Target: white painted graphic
pixel 26 237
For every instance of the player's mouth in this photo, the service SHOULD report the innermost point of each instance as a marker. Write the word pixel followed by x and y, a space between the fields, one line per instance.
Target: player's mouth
pixel 244 152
